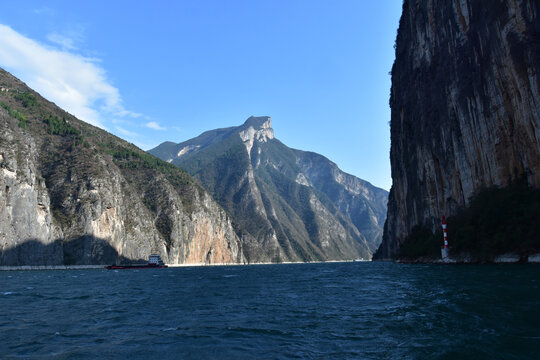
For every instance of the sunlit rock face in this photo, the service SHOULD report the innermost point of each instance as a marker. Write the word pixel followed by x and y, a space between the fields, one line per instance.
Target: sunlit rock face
pixel 100 200
pixel 465 107
pixel 257 129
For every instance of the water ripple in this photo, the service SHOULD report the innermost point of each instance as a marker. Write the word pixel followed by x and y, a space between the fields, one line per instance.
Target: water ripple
pixel 311 311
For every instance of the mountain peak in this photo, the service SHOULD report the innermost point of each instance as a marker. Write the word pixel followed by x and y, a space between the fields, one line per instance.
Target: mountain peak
pixel 259 122
pixel 256 128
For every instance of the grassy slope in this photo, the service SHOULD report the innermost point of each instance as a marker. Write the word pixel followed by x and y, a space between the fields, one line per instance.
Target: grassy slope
pixel 64 140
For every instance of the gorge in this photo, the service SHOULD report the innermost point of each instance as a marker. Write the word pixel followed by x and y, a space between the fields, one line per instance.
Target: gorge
pixel 74 194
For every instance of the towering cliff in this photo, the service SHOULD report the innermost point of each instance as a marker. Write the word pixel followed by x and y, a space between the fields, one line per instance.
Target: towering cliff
pixel 286 204
pixel 465 104
pixel 71 193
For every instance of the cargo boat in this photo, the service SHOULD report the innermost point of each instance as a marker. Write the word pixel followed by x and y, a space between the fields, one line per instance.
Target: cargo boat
pixel 154 262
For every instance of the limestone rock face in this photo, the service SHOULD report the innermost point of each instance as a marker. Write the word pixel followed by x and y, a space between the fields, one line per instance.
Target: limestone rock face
pixel 74 194
pixel 25 210
pixel 257 129
pixel 465 107
pixel 286 204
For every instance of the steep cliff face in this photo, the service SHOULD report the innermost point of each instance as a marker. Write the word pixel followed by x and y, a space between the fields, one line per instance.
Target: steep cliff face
pixel 360 201
pixel 286 204
pixel 24 200
pixel 74 194
pixel 465 108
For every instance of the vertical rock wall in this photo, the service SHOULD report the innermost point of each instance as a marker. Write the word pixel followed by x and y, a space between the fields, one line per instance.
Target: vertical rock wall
pixel 465 106
pixel 25 210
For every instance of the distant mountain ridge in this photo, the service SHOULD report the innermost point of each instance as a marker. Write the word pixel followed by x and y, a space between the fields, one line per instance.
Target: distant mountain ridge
pixel 286 204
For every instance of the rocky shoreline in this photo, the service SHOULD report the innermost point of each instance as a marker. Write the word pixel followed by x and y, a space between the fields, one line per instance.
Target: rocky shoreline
pixel 509 258
pixel 49 267
pixel 82 267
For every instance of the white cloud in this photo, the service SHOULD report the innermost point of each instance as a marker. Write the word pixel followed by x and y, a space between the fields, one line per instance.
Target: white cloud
pixel 129 113
pixel 73 82
pixel 65 42
pixel 126 132
pixel 154 125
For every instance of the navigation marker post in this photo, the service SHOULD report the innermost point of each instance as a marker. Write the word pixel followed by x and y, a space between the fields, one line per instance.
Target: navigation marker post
pixel 445 249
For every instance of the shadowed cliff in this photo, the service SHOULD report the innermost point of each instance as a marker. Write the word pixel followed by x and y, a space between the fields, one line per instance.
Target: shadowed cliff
pixel 465 114
pixel 85 250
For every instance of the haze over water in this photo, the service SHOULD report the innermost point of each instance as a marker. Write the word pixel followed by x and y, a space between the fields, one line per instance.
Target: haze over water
pixel 314 311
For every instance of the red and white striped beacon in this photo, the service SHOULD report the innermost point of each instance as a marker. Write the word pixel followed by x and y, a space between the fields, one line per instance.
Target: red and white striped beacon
pixel 445 233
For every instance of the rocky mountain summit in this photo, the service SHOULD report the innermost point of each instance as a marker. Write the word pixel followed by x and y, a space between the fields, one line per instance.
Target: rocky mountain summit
pixel 71 193
pixel 286 204
pixel 465 104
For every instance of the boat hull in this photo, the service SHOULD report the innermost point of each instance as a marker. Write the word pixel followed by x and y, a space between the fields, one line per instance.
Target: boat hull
pixel 125 267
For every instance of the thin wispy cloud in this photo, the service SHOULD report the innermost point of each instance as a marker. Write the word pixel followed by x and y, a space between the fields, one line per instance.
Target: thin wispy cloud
pixel 65 42
pixel 154 125
pixel 128 113
pixel 126 132
pixel 44 10
pixel 74 82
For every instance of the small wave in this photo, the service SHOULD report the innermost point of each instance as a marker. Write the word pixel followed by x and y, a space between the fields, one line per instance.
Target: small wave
pixel 8 293
pixel 170 329
pixel 255 330
pixel 229 276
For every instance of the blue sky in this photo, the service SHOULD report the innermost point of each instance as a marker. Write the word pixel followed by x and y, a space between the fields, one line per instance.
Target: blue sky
pixel 169 70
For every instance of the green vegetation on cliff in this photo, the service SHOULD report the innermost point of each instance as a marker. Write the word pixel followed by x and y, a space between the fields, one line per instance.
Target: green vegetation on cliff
pixel 133 158
pixel 57 126
pixel 498 221
pixel 14 113
pixel 422 243
pixel 26 98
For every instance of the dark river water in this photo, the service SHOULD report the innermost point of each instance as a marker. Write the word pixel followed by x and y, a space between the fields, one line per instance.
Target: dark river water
pixel 295 311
